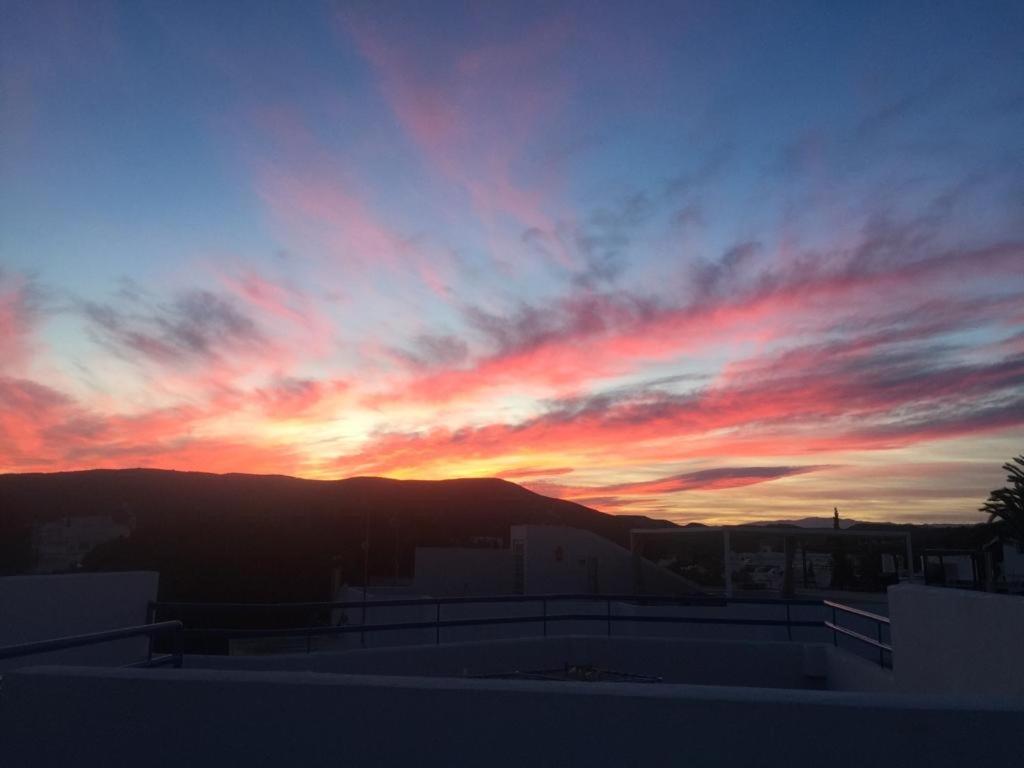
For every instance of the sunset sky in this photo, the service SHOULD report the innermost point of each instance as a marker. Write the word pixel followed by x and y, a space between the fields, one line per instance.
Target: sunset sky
pixel 702 261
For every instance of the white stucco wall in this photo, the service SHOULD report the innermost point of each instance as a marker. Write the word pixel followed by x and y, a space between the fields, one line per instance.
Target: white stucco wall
pixel 445 571
pixel 1013 564
pixel 956 640
pixel 45 607
pixel 90 717
pixel 565 560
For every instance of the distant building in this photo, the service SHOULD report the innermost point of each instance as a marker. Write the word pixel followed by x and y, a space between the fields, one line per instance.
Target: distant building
pixel 953 567
pixel 1013 565
pixel 61 545
pixel 487 542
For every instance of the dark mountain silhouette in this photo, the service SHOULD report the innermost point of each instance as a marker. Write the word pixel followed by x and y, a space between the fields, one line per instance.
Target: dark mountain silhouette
pixel 274 538
pixel 271 538
pixel 802 522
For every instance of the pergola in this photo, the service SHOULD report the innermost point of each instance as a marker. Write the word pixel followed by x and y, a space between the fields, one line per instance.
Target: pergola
pixel 794 539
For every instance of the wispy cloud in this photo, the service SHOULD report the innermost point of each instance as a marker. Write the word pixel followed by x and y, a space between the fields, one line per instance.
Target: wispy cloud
pixel 196 325
pixel 590 335
pixel 43 429
pixel 862 394
pixel 473 112
pixel 717 478
pixel 20 312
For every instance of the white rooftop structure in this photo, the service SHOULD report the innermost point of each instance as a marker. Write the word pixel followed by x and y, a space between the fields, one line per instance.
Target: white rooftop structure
pixel 543 559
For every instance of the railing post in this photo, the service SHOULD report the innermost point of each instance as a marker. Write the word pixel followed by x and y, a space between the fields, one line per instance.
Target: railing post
pixel 178 644
pixel 437 624
pixel 789 627
pixel 544 612
pixel 881 651
pixel 150 616
pixel 362 632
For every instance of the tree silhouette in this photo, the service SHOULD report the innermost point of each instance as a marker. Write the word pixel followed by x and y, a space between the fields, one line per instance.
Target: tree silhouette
pixel 1007 504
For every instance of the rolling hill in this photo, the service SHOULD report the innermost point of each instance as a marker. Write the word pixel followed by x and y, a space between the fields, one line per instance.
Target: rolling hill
pixel 275 538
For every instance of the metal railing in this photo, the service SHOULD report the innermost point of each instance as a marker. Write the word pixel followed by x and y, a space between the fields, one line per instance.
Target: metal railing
pixel 173 628
pixel 878 620
pixel 608 616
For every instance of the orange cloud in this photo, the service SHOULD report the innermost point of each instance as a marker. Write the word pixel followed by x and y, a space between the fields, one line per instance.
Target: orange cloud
pixel 586 338
pixel 820 398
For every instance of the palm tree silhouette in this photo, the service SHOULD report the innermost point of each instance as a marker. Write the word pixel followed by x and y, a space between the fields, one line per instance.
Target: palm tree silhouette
pixel 1007 504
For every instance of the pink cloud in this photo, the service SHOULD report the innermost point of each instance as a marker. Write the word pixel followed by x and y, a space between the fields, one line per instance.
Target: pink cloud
pixel 289 307
pixel 820 398
pixel 532 472
pixel 473 113
pixel 589 337
pixel 42 429
pixel 618 495
pixel 290 397
pixel 332 213
pixel 18 317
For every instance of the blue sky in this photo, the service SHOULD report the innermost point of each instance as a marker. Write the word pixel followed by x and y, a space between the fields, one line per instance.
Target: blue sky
pixel 586 246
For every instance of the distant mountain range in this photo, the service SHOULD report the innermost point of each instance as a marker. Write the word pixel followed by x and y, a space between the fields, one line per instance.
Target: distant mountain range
pixel 808 522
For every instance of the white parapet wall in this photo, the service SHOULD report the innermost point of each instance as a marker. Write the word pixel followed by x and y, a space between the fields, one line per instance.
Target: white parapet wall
pixel 161 717
pixel 957 641
pixel 44 607
pixel 701 662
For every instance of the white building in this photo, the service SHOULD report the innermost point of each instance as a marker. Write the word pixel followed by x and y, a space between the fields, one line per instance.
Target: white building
pixel 62 544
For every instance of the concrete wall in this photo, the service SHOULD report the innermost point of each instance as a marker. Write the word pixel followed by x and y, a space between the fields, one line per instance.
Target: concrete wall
pixel 1013 564
pixel 446 571
pixel 769 665
pixel 957 641
pixel 45 607
pixel 846 671
pixel 90 717
pixel 731 611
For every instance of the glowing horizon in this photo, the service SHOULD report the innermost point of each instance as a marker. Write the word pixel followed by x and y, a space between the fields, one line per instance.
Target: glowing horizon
pixel 702 262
